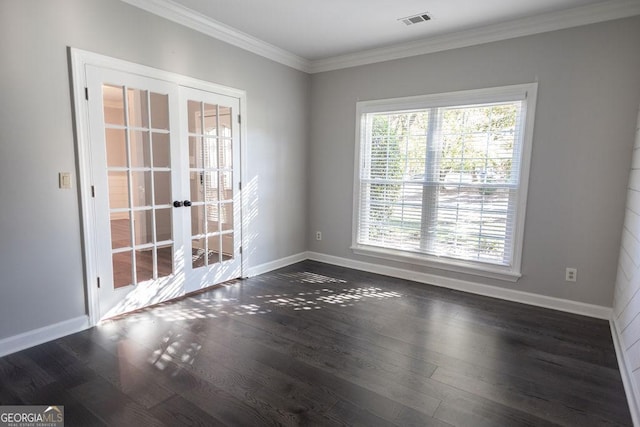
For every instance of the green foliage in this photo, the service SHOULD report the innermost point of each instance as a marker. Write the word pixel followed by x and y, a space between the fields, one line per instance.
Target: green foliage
pixel 471 145
pixel 386 163
pixel 478 141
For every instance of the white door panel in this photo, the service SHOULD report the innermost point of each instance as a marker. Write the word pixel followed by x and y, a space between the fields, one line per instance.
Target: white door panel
pixel 165 168
pixel 209 124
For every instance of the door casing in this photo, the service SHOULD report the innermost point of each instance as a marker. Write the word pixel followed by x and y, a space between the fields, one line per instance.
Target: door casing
pixel 80 59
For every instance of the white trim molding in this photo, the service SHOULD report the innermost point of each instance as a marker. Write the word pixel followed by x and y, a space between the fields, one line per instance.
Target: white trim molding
pixel 591 14
pixel 41 335
pixel 48 333
pixel 276 264
pixel 568 306
pixel 182 15
pixel 584 15
pixel 630 388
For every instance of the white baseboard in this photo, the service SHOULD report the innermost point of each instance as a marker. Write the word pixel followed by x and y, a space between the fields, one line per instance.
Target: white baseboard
pixel 41 335
pixel 630 389
pixel 591 310
pixel 38 336
pixel 274 265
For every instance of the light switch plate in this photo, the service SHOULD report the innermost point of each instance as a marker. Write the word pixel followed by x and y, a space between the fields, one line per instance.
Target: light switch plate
pixel 64 180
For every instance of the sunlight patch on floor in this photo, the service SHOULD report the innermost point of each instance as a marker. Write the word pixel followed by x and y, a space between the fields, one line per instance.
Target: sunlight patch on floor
pixel 345 298
pixel 307 277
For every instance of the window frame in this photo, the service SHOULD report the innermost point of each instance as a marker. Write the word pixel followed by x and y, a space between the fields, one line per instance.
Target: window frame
pixel 522 92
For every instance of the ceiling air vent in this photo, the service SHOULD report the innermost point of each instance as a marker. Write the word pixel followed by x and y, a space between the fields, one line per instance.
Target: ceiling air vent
pixel 416 19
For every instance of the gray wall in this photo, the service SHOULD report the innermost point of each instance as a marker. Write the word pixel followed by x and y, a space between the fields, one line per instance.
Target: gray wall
pixel 626 302
pixel 301 144
pixel 589 88
pixel 41 270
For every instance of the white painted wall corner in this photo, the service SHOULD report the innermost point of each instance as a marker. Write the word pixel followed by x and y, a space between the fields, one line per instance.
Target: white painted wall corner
pixel 630 388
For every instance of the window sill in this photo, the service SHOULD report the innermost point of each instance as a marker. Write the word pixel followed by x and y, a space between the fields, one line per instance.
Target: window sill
pixel 447 264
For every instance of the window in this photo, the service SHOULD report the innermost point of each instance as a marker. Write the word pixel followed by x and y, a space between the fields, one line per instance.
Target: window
pixel 442 179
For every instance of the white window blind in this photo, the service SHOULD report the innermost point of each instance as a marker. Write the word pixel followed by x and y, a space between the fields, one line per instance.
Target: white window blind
pixel 444 180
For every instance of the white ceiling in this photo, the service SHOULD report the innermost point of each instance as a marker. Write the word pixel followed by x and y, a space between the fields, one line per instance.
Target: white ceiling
pixel 329 34
pixel 326 28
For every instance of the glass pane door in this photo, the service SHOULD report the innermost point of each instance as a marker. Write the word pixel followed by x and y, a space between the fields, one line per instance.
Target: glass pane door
pixel 139 183
pixel 164 163
pixel 211 182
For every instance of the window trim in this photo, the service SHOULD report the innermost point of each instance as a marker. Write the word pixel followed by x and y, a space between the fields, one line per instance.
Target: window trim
pixel 527 92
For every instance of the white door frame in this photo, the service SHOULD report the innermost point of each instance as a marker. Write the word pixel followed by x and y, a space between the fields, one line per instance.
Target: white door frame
pixel 79 60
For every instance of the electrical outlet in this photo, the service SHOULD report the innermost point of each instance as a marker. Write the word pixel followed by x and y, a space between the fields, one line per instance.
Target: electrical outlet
pixel 318 235
pixel 571 274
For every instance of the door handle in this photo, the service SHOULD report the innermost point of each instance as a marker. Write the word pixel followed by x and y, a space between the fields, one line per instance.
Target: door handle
pixel 187 203
pixel 177 204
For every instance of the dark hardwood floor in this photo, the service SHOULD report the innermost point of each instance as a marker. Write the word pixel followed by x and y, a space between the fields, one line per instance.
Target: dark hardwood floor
pixel 314 344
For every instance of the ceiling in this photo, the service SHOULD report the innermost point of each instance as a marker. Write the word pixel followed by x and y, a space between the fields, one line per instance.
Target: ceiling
pixel 319 31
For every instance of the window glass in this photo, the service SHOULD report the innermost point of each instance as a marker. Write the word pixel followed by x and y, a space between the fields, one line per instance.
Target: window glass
pixel 443 181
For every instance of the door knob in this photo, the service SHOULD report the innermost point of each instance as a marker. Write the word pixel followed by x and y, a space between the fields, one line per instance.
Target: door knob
pixel 187 203
pixel 177 204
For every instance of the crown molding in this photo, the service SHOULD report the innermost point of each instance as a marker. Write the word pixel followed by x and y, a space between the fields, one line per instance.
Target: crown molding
pixel 206 25
pixel 599 12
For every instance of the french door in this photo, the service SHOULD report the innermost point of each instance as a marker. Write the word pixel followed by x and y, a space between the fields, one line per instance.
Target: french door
pixel 165 172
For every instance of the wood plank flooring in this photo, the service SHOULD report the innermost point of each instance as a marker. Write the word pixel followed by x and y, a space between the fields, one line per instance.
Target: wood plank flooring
pixel 314 344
